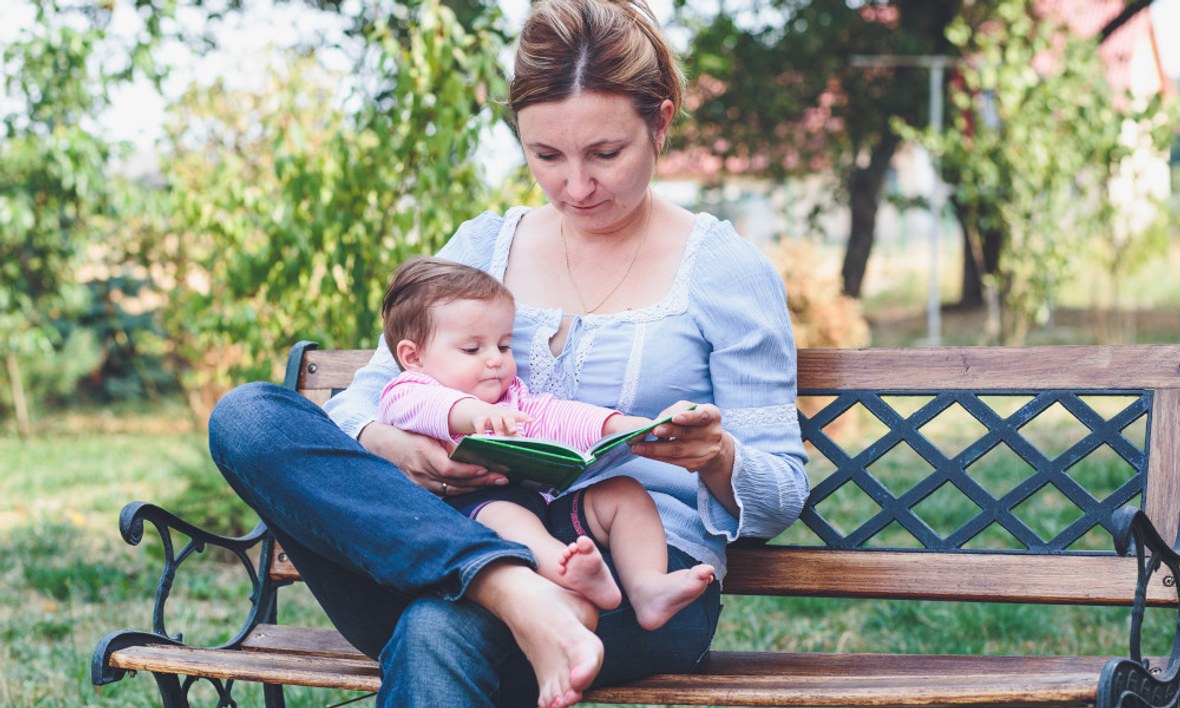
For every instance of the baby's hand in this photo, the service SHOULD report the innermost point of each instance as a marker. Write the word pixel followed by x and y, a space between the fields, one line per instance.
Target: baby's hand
pixel 500 421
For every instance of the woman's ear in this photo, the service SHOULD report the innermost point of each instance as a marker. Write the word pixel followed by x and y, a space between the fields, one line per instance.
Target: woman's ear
pixel 664 122
pixel 407 354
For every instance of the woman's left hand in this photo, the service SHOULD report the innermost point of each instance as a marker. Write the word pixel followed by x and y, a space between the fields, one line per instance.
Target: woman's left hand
pixel 695 441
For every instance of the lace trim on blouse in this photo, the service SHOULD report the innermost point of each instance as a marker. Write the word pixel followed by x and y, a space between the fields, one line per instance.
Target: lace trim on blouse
pixel 545 375
pixel 763 416
pixel 630 387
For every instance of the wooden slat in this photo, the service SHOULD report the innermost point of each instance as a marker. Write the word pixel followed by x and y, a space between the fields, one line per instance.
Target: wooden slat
pixel 729 678
pixel 1043 367
pixel 306 641
pixel 266 667
pixel 871 680
pixel 1162 501
pixel 1038 368
pixel 331 368
pixel 980 577
pixel 281 567
pixel 819 572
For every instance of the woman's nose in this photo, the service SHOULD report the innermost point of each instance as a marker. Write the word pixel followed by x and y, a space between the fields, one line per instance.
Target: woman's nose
pixel 579 185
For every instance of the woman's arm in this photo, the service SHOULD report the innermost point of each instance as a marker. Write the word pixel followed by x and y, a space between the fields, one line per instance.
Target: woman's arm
pixel 746 448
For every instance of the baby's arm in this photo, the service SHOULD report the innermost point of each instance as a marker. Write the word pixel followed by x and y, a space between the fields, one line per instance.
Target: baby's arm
pixel 471 415
pixel 619 422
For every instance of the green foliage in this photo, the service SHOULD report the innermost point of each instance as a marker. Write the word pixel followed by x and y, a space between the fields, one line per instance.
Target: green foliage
pixel 57 199
pixel 1037 137
pixel 289 214
pixel 52 189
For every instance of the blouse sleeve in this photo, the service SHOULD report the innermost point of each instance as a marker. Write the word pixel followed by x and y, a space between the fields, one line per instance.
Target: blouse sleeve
pixel 356 406
pixel 742 311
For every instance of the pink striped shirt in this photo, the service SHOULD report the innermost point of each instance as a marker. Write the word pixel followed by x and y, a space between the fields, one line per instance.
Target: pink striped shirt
pixel 420 404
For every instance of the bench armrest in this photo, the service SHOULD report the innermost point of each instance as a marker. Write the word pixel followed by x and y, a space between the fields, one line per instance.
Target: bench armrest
pixel 262 596
pixel 1134 681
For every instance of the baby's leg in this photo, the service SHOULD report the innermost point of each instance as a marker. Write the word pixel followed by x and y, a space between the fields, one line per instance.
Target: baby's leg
pixel 622 514
pixel 578 566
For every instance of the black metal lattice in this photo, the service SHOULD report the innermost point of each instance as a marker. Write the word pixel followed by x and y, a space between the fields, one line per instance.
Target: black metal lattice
pixel 1046 468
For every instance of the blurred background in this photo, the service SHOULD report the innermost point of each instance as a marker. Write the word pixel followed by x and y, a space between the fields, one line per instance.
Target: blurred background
pixel 188 187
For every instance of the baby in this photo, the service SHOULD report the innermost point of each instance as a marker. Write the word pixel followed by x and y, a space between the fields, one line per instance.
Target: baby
pixel 449 327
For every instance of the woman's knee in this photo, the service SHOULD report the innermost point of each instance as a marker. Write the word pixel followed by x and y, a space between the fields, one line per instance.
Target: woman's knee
pixel 244 421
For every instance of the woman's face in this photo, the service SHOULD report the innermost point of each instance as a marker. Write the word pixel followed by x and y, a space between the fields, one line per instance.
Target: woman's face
pixel 593 157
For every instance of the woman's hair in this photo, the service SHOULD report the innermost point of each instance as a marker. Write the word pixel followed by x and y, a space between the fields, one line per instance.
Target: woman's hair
pixel 422 283
pixel 569 47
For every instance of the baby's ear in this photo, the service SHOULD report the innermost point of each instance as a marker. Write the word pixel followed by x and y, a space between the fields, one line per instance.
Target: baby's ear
pixel 407 355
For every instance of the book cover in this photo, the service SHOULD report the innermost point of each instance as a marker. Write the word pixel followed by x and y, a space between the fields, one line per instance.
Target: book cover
pixel 547 465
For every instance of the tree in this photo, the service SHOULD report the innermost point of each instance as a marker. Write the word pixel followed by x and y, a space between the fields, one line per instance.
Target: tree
pixel 779 89
pixel 53 196
pixel 289 213
pixel 1036 139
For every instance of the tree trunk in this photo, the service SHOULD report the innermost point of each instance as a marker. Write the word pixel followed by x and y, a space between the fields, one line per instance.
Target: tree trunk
pixel 23 427
pixel 981 256
pixel 971 295
pixel 864 194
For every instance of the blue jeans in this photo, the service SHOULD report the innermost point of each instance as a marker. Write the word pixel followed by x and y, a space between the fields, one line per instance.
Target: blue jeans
pixel 389 562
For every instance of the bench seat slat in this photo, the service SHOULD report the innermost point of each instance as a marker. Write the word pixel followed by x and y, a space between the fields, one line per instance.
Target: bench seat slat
pixel 320 657
pixel 267 667
pixel 918 575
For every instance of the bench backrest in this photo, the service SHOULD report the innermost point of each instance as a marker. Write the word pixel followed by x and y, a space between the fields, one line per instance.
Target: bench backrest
pixel 975 473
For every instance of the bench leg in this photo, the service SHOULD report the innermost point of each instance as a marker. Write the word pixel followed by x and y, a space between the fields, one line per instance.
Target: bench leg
pixel 172 695
pixel 273 694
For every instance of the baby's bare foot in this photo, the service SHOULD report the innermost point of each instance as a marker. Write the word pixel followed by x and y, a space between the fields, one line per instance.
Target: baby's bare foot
pixel 582 569
pixel 656 601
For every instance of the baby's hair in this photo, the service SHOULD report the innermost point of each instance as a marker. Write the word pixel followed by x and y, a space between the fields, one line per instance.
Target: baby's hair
pixel 419 285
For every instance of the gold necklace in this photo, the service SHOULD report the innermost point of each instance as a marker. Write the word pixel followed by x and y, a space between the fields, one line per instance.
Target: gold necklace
pixel 634 257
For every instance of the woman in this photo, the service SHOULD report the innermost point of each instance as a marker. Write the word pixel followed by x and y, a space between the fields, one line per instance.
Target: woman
pixel 624 300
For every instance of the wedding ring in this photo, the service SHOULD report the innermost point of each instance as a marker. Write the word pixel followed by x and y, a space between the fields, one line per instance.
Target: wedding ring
pixel 444 489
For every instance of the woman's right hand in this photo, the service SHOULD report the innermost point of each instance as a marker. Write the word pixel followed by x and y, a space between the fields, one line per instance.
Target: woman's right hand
pixel 425 461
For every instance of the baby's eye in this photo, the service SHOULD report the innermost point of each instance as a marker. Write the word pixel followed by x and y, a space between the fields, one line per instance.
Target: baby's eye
pixel 505 348
pixel 470 350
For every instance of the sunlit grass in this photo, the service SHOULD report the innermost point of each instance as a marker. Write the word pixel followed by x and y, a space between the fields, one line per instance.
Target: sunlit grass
pixel 68 578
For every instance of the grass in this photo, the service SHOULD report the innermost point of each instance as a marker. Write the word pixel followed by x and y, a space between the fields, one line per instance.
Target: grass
pixel 68 577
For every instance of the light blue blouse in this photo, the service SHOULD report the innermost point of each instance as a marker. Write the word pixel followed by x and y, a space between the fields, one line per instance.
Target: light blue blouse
pixel 720 335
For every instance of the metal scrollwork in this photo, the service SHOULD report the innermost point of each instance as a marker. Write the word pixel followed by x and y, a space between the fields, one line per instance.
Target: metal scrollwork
pixel 262 596
pixel 1134 682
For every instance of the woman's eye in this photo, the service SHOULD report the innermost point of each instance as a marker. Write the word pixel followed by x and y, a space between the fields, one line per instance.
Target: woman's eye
pixel 547 156
pixel 608 155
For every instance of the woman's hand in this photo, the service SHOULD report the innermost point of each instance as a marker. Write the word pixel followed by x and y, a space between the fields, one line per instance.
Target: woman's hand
pixel 425 461
pixel 694 440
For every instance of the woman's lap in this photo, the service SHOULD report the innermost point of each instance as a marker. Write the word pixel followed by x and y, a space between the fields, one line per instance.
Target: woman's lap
pixel 385 557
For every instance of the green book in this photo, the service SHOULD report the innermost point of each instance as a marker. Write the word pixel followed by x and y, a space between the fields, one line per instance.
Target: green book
pixel 548 465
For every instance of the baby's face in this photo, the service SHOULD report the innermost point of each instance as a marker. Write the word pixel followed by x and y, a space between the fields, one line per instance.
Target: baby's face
pixel 470 349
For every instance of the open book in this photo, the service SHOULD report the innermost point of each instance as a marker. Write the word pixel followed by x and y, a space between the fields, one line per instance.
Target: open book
pixel 548 465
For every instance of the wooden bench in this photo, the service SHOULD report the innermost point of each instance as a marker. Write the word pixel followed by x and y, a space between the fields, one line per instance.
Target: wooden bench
pixel 859 411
